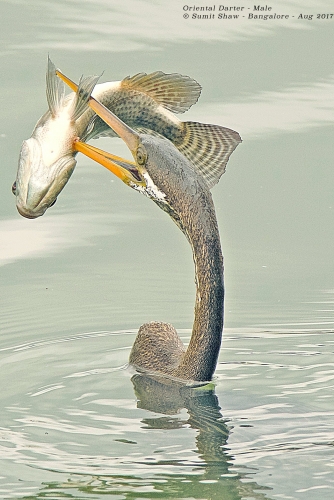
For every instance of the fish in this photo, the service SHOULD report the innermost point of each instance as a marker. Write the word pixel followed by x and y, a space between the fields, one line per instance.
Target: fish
pixel 146 102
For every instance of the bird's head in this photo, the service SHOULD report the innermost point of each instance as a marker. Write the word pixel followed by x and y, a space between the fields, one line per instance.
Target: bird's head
pixel 159 170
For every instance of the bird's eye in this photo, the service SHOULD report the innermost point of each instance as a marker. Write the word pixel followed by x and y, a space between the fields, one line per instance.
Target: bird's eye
pixel 14 188
pixel 141 156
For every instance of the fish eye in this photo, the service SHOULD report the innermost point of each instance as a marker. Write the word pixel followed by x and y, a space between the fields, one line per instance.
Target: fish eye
pixel 14 188
pixel 141 156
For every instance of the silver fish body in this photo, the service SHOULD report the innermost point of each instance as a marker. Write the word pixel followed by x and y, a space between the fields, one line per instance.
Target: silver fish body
pixel 46 163
pixel 47 158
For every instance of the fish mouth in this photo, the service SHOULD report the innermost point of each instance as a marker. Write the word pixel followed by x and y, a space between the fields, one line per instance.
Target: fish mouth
pixel 27 215
pixel 34 213
pixel 37 187
pixel 36 205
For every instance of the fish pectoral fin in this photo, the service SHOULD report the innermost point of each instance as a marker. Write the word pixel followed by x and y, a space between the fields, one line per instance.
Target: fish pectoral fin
pixel 174 92
pixel 126 170
pixel 97 128
pixel 83 92
pixel 55 89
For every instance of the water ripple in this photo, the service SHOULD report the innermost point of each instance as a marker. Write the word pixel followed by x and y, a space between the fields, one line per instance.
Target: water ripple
pixel 84 418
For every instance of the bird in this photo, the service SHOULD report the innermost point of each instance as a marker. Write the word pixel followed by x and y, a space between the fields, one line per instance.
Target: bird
pixel 163 174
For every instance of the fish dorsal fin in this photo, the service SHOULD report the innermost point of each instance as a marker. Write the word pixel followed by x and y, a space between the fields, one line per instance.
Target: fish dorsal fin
pixel 208 147
pixel 55 89
pixel 82 96
pixel 175 92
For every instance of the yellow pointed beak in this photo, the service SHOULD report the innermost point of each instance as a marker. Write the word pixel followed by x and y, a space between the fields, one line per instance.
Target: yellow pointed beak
pixel 126 170
pixel 129 136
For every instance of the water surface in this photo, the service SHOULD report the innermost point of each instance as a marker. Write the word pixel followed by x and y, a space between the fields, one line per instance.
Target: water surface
pixel 77 283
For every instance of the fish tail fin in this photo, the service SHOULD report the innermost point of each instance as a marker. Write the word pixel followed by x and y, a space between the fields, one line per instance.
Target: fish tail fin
pixel 208 147
pixel 85 88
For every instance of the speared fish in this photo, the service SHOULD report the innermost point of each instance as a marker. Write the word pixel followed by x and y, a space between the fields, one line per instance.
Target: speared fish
pixel 146 102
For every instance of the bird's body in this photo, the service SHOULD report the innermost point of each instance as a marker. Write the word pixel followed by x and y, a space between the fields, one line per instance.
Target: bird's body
pixel 176 184
pixel 189 203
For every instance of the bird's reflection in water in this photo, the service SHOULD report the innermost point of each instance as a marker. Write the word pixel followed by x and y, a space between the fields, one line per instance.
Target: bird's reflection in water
pixel 217 478
pixel 211 476
pixel 169 397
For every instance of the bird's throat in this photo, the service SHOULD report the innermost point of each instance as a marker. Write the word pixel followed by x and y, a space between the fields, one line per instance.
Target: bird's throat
pixel 200 359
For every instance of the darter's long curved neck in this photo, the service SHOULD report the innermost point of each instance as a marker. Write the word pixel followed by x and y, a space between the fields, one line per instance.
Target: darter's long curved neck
pixel 201 228
pixel 189 202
